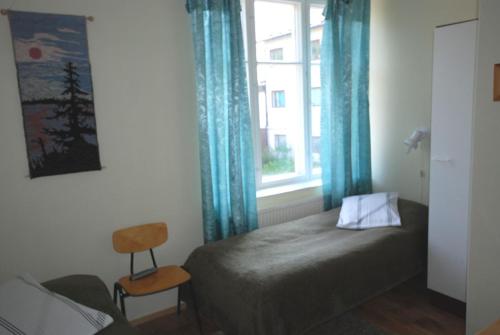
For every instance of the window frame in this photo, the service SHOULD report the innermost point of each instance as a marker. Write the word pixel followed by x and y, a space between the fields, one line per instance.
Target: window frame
pixel 305 59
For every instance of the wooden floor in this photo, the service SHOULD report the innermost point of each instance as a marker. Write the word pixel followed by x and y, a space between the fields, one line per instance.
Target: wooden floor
pixel 405 310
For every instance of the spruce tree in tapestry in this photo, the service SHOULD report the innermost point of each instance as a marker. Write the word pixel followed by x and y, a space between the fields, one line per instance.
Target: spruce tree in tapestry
pixel 75 118
pixel 74 111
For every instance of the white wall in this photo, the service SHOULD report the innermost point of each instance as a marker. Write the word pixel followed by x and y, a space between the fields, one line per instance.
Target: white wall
pixel 483 291
pixel 142 65
pixel 400 88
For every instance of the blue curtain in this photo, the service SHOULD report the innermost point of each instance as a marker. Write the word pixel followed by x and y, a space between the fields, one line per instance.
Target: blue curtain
pixel 345 122
pixel 225 135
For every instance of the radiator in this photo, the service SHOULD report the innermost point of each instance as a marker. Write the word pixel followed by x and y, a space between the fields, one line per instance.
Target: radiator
pixel 289 212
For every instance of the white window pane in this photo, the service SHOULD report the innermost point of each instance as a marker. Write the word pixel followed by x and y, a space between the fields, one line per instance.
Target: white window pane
pixel 281 121
pixel 277 33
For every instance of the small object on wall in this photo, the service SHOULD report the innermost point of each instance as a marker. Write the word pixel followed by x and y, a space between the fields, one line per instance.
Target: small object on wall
pixel 496 83
pixel 416 137
pixel 55 86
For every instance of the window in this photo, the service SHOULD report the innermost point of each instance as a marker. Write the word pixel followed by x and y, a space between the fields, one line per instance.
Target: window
pixel 316 147
pixel 315 49
pixel 276 54
pixel 278 99
pixel 285 88
pixel 280 141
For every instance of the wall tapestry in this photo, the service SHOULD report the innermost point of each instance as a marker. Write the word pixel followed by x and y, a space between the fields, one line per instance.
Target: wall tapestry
pixel 55 85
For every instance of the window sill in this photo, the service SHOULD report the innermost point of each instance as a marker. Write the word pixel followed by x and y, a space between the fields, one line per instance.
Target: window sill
pixel 272 191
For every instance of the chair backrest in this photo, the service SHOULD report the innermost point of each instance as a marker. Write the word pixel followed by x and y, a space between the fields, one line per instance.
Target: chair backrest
pixel 140 238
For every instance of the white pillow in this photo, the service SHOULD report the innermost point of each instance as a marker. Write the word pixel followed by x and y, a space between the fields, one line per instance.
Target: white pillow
pixel 28 308
pixel 369 211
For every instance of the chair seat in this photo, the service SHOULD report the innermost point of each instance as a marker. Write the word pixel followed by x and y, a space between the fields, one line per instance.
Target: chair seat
pixel 165 278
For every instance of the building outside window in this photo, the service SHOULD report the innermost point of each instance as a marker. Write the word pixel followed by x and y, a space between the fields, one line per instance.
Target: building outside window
pixel 285 88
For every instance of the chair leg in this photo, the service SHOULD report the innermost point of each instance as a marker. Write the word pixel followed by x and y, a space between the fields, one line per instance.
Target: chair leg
pixel 122 303
pixel 178 300
pixel 195 307
pixel 118 291
pixel 115 292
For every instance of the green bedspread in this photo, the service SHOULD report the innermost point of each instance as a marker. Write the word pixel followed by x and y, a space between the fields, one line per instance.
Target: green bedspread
pixel 287 278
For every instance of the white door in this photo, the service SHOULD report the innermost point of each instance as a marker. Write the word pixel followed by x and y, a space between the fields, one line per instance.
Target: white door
pixel 452 106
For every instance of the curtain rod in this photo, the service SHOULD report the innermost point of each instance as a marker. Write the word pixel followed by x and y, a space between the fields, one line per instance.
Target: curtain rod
pixel 6 12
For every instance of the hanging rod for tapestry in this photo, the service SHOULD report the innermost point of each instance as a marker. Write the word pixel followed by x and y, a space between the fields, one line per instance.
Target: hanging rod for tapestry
pixel 6 12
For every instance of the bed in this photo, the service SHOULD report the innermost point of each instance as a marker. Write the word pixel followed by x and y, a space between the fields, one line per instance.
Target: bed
pixel 92 292
pixel 288 278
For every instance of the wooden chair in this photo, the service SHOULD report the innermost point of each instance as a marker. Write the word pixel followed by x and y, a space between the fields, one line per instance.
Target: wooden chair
pixel 155 279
